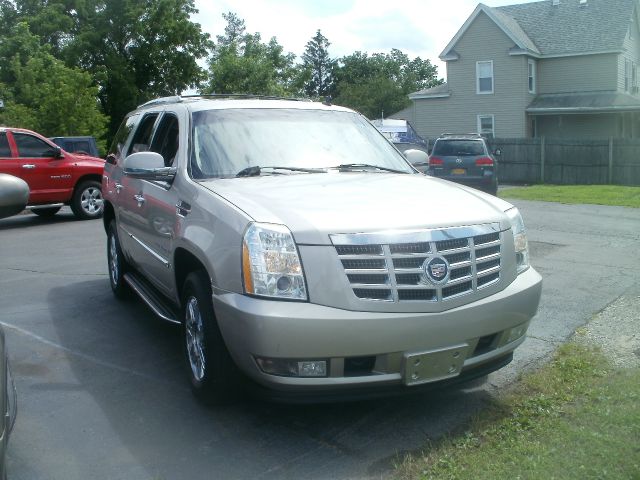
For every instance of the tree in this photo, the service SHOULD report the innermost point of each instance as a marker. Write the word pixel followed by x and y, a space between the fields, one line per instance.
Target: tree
pixel 43 94
pixel 316 60
pixel 381 83
pixel 134 50
pixel 242 63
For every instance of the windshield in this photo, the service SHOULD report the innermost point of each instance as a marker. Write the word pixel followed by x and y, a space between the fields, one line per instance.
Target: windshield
pixel 226 142
pixel 458 147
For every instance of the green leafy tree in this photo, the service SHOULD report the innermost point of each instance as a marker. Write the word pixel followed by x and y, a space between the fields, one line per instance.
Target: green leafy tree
pixel 41 93
pixel 319 66
pixel 242 63
pixel 379 84
pixel 134 50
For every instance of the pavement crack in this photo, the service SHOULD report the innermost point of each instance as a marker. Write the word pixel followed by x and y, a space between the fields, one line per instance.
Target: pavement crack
pixel 88 358
pixel 25 270
pixel 546 340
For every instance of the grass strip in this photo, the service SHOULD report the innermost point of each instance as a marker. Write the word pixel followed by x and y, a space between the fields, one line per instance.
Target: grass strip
pixel 576 418
pixel 615 195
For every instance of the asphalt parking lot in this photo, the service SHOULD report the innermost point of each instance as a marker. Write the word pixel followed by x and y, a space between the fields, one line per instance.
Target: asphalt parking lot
pixel 102 394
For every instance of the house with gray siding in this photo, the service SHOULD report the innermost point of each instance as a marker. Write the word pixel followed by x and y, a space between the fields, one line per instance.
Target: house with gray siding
pixel 563 68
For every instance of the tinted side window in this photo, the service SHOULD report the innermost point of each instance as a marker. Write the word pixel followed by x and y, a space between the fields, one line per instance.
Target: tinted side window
pixel 142 138
pixel 30 146
pixel 165 141
pixel 122 135
pixel 5 151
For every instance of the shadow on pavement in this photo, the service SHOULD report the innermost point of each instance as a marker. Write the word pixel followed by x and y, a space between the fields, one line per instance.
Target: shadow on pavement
pixel 132 415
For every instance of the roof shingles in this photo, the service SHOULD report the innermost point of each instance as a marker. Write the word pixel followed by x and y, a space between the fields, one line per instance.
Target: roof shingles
pixel 572 28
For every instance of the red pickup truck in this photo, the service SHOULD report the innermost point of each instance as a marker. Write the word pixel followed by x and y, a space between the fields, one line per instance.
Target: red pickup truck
pixel 55 177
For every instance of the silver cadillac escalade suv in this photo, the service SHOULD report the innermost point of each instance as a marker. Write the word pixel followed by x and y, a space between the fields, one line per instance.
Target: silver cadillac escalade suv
pixel 303 256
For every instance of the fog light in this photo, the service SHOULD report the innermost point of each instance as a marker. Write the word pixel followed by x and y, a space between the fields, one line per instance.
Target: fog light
pixel 517 332
pixel 317 368
pixel 293 368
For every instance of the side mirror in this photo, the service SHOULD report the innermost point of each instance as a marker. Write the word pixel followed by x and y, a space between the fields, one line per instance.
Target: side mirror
pixel 148 166
pixel 497 152
pixel 14 194
pixel 416 157
pixel 55 152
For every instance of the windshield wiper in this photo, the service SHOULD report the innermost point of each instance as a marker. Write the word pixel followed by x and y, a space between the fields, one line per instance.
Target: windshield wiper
pixel 256 171
pixel 364 166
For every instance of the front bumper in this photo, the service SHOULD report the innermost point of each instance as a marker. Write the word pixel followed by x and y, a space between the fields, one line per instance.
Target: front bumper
pixel 255 327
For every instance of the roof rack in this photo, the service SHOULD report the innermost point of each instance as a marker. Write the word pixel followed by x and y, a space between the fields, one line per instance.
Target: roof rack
pixel 245 96
pixel 180 98
pixel 472 134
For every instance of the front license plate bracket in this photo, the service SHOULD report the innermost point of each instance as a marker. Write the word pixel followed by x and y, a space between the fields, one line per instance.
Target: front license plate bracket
pixel 433 365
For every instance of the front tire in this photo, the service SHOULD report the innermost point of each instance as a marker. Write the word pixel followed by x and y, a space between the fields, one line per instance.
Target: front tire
pixel 116 264
pixel 46 212
pixel 213 375
pixel 87 202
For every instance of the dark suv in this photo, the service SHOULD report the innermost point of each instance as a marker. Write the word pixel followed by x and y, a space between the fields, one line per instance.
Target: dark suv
pixel 466 159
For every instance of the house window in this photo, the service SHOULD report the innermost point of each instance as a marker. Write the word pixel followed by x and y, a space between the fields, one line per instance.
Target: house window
pixel 486 125
pixel 531 71
pixel 484 77
pixel 627 75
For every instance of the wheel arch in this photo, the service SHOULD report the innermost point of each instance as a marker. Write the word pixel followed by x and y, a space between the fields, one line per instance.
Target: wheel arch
pixel 108 215
pixel 185 262
pixel 89 176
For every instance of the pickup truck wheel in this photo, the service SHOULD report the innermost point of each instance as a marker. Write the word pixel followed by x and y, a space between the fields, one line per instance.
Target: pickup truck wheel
pixel 46 211
pixel 87 202
pixel 117 264
pixel 212 372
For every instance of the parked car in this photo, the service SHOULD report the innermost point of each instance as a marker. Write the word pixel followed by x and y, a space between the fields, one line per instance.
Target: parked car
pixel 14 193
pixel 79 145
pixel 466 159
pixel 8 404
pixel 404 137
pixel 55 177
pixel 292 243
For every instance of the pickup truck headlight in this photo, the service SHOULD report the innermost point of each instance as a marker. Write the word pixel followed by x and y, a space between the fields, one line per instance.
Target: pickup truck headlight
pixel 271 265
pixel 519 239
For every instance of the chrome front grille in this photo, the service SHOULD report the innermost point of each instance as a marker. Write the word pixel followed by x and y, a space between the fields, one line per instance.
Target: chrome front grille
pixel 391 266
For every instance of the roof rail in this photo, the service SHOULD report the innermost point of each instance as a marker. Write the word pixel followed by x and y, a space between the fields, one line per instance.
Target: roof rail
pixel 155 101
pixel 245 96
pixel 471 134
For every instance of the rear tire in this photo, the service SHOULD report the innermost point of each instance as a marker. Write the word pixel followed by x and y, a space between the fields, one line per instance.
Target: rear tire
pixel 46 212
pixel 213 375
pixel 87 202
pixel 117 265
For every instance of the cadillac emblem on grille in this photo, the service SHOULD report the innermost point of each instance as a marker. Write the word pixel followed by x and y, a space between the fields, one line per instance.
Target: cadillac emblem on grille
pixel 436 269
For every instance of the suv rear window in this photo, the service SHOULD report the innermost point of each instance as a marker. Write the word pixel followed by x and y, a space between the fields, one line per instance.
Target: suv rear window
pixel 458 147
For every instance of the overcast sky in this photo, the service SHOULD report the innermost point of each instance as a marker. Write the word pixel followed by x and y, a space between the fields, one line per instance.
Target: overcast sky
pixel 417 27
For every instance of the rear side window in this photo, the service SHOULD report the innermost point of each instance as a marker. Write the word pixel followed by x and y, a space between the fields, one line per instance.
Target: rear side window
pixel 122 135
pixel 165 141
pixel 32 147
pixel 5 151
pixel 142 138
pixel 458 147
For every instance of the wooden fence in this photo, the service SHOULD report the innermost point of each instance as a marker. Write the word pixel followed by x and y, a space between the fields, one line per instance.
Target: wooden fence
pixel 568 161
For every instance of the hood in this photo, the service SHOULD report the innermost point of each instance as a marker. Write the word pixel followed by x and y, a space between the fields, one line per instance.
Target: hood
pixel 313 206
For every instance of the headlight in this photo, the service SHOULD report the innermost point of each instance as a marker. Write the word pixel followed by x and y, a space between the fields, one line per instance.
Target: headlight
pixel 271 265
pixel 519 239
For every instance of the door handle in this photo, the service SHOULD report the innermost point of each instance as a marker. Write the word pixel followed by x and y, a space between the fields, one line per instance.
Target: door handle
pixel 119 187
pixel 29 166
pixel 139 198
